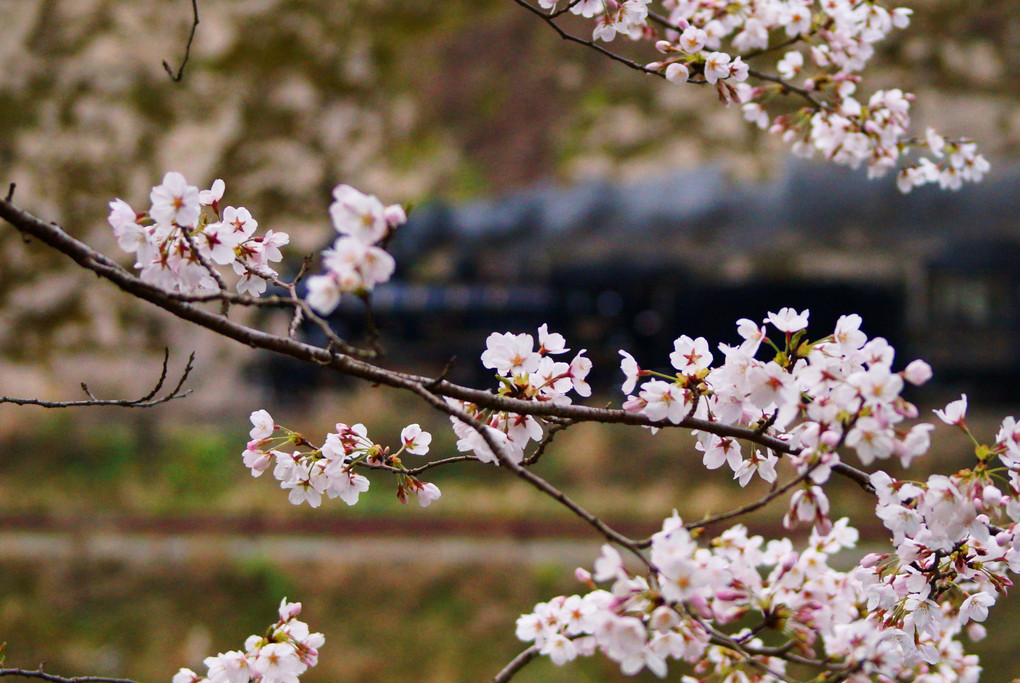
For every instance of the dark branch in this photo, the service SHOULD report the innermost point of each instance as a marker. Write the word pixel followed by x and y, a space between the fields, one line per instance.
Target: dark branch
pixel 147 401
pixel 39 673
pixel 665 23
pixel 414 471
pixel 587 43
pixel 515 665
pixel 530 477
pixel 187 50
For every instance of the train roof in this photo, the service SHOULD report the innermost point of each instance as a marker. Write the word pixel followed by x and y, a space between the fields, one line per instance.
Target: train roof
pixel 811 204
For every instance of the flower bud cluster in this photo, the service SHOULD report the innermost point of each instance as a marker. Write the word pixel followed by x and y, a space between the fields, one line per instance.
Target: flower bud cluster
pixel 286 651
pixel 329 469
pixel 186 233
pixel 524 373
pixel 356 262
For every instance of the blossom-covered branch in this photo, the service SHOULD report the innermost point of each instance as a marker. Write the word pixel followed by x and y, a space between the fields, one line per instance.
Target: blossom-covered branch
pixel 825 45
pixel 55 237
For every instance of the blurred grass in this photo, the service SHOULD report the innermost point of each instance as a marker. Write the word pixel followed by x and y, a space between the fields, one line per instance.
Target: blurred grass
pixel 410 622
pixel 404 622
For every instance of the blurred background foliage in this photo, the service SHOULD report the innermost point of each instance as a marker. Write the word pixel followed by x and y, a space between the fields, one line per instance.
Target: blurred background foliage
pixel 283 99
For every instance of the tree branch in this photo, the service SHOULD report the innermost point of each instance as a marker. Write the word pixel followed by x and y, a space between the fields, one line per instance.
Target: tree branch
pixel 515 665
pixel 146 401
pixel 39 673
pixel 187 50
pixel 530 477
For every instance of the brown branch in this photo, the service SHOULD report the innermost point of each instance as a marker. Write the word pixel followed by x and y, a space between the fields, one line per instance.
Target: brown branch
pixel 515 665
pixel 530 477
pixel 787 86
pixel 750 507
pixel 209 268
pixel 39 673
pixel 146 401
pixel 187 49
pixel 413 471
pixel 544 443
pixel 717 637
pixel 587 43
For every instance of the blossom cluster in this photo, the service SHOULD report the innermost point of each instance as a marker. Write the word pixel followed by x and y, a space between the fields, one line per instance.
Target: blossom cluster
pixel 186 233
pixel 356 262
pixel 839 390
pixel 527 373
pixel 824 46
pixel 897 616
pixel 329 469
pixel 954 536
pixel 682 610
pixel 285 652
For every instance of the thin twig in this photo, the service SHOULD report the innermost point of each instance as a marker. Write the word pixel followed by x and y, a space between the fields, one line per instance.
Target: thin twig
pixel 39 673
pixel 187 50
pixel 413 471
pixel 544 443
pixel 587 43
pixel 530 477
pixel 717 637
pixel 750 507
pixel 209 268
pixel 665 23
pixel 515 665
pixel 146 401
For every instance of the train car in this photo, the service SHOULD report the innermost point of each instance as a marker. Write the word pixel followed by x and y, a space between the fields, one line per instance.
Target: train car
pixel 614 266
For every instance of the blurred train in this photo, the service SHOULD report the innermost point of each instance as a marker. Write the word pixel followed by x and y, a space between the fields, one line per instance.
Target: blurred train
pixel 633 266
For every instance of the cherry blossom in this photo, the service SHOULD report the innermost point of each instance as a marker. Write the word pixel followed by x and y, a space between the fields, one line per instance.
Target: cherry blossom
pixel 181 239
pixel 788 320
pixel 415 440
pixel 281 655
pixel 955 412
pixel 175 202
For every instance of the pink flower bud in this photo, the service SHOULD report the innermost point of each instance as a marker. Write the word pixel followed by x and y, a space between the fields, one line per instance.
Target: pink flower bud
pixel 634 404
pixel 872 559
pixel 289 610
pixel 917 372
pixel 907 410
pixel 395 215
pixel 729 595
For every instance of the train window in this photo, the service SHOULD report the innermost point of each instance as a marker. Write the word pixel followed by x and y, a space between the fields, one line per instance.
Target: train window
pixel 609 304
pixel 648 323
pixel 968 301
